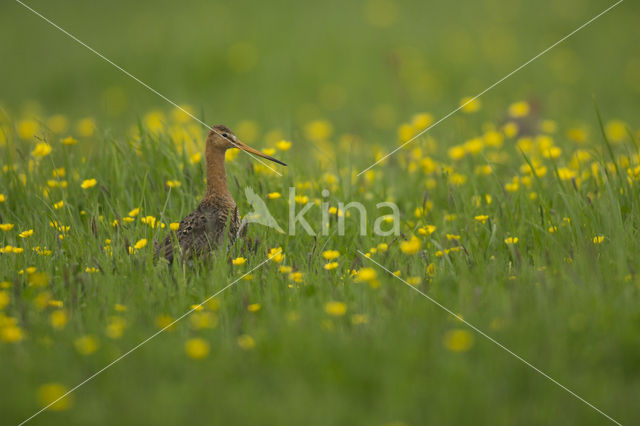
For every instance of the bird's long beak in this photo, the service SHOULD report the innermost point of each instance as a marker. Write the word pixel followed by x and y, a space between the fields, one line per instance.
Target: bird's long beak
pixel 243 146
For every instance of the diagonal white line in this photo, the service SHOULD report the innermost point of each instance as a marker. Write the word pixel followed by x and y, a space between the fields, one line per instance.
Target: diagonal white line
pixel 198 306
pixel 493 85
pixel 141 82
pixel 491 339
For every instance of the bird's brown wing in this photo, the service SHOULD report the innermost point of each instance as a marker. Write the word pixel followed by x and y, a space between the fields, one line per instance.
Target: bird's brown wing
pixel 199 232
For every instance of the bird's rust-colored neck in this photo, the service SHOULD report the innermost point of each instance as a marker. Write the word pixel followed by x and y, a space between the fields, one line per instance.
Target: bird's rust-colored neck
pixel 216 173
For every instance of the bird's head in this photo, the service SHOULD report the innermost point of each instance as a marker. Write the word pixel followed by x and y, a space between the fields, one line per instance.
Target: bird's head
pixel 221 137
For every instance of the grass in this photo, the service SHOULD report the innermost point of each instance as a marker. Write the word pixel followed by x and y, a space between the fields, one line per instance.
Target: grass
pixel 294 342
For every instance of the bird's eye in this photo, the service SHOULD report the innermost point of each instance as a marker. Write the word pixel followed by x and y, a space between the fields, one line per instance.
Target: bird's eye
pixel 225 135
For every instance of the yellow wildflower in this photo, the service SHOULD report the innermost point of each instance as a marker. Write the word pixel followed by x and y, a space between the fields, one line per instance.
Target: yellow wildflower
pixel 519 109
pixel 174 183
pixel 174 226
pixel 254 307
pixel 140 244
pixel 58 319
pixel 52 396
pixel 239 261
pixel 481 218
pixel 246 342
pixel 88 183
pixel 273 195
pixel 276 255
pixel 330 254
pixel 86 345
pixel 470 105
pixel 6 226
pixel 26 234
pixel 134 212
pixel 69 140
pixel 511 240
pixel 412 246
pixel 283 145
pixel 336 309
pixel 196 348
pixel 42 149
pixel 58 205
pixel 330 266
pixel 598 239
pixel 458 340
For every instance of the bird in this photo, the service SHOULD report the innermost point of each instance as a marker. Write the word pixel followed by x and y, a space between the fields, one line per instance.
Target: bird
pixel 216 217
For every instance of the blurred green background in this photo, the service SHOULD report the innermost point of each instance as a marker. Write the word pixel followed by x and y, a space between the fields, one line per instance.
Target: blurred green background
pixel 363 65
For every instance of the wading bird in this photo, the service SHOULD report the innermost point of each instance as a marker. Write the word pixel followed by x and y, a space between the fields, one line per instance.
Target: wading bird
pixel 203 230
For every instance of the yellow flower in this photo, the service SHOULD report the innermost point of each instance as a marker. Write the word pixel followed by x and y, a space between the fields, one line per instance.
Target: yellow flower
pixel 174 226
pixel 239 261
pixel 616 130
pixel 276 255
pixel 336 309
pixel 458 340
pixel 134 212
pixel 195 158
pixel 174 183
pixel 26 234
pixel 421 121
pixel 577 135
pixel 246 342
pixel 5 298
pixel 511 240
pixel 519 109
pixel 28 128
pixel 196 348
pixel 269 151
pixel 254 307
pixel 86 127
pixel 69 140
pixel 58 205
pixel 2 198
pixel 414 281
pixel 58 123
pixel 115 327
pixel 431 269
pixel 330 254
pixel 296 277
pixel 330 266
pixel 273 195
pixel 283 145
pixel 412 246
pixel 318 130
pixel 11 333
pixel 88 183
pixel 470 105
pixel 91 270
pixel 58 319
pixel 427 230
pixel 164 322
pixel 149 220
pixel 86 345
pixel 41 150
pixel 6 226
pixel 367 274
pixel 52 393
pixel 481 218
pixel 41 279
pixel 598 239
pixel 141 244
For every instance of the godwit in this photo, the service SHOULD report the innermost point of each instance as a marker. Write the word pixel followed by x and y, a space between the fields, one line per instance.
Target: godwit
pixel 202 230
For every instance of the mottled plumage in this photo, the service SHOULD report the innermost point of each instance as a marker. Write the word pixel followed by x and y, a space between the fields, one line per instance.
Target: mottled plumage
pixel 216 217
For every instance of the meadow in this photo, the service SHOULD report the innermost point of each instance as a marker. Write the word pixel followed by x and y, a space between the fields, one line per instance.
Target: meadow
pixel 520 214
